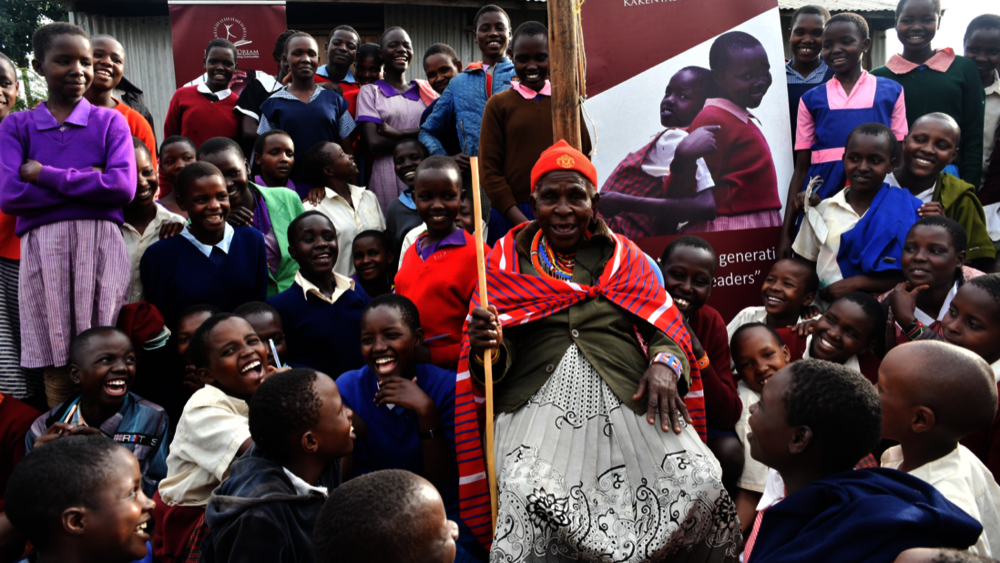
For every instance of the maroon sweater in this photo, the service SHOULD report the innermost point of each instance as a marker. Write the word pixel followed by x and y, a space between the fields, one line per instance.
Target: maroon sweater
pixel 199 118
pixel 15 420
pixel 722 403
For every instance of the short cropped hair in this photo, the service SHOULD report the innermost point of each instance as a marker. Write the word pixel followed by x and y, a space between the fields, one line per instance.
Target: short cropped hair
pixel 860 23
pixel 956 232
pixel 199 349
pixel 902 4
pixel 415 142
pixel 750 326
pixel 990 283
pixel 380 236
pixel 292 237
pixel 43 37
pixel 689 241
pixel 192 173
pixel 314 161
pixel 138 144
pixel 252 308
pixel 442 49
pixel 874 130
pixel 839 405
pixel 217 145
pixel 389 30
pixel 80 341
pixel 200 308
pixel 728 43
pixel 812 280
pixel 279 44
pixel 343 28
pixel 439 162
pixel 529 29
pixel 225 44
pixel 811 10
pixel 6 59
pixel 374 518
pixel 258 145
pixel 407 309
pixel 285 403
pixel 485 10
pixel 978 23
pixel 872 308
pixel 68 472
pixel 370 51
pixel 177 139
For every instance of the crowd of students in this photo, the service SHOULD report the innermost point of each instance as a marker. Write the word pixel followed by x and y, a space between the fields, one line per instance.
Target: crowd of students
pixel 256 341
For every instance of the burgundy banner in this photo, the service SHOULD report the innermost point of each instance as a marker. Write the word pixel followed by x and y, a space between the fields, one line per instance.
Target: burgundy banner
pixel 251 26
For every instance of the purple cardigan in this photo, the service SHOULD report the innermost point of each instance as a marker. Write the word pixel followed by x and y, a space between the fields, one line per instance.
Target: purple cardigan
pixel 68 188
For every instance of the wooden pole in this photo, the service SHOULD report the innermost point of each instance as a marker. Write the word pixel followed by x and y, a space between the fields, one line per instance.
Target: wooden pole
pixel 477 206
pixel 563 71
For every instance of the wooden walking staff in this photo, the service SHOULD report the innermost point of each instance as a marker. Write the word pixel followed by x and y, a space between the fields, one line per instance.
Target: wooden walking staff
pixel 564 70
pixel 477 213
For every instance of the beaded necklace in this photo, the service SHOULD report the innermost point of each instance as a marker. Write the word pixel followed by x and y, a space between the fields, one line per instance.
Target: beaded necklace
pixel 549 263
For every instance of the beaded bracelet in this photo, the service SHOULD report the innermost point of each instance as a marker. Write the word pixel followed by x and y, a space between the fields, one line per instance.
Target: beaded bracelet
pixel 917 330
pixel 670 361
pixel 702 362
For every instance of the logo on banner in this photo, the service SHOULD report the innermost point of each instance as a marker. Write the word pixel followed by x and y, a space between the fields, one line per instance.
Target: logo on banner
pixel 233 30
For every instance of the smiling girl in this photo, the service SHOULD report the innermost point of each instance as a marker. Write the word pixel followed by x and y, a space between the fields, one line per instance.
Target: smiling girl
pixel 827 114
pixel 307 113
pixel 936 80
pixel 389 111
pixel 205 110
pixel 68 205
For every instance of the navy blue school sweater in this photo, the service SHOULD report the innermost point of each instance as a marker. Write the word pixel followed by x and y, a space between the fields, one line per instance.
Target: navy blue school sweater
pixel 321 335
pixel 176 275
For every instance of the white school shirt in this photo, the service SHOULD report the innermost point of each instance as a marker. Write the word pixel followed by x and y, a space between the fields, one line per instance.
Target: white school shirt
pixel 224 244
pixel 991 120
pixel 210 432
pixel 361 214
pixel 754 476
pixel 925 196
pixel 136 244
pixel 839 217
pixel 962 479
pixel 661 155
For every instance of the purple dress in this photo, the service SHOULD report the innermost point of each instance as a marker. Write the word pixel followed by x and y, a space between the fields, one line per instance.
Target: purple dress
pixel 75 270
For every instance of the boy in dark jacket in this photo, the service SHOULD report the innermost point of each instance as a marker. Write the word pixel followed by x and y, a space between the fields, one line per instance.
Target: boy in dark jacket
pixel 267 508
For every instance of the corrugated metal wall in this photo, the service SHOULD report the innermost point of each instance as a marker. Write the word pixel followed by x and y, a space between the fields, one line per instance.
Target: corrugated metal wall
pixel 428 25
pixel 149 56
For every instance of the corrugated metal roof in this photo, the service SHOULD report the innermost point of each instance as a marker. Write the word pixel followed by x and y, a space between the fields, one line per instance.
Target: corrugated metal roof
pixel 841 5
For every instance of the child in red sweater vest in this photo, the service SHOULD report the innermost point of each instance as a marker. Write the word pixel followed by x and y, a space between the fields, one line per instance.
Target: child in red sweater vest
pixel 438 271
pixel 746 185
pixel 688 265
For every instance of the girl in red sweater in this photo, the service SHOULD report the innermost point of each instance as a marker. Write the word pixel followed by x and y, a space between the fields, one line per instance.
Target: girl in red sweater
pixel 438 271
pixel 206 110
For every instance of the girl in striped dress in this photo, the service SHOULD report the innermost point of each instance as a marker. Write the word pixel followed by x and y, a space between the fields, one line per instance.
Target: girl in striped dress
pixel 68 167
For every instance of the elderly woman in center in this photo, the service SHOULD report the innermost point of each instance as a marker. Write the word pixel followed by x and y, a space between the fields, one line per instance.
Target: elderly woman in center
pixel 587 350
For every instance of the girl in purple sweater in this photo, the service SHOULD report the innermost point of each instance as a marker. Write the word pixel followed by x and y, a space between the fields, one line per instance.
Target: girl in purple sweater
pixel 68 168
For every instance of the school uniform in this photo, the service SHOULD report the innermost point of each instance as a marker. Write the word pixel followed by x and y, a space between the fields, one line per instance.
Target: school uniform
pixel 140 129
pixel 15 420
pixel 722 402
pixel 874 245
pixel 991 119
pixel 210 432
pixel 440 278
pixel 139 425
pixel 68 223
pixel 259 180
pixel 380 103
pixel 264 512
pixel 408 240
pixel 646 173
pixel 324 118
pixel 754 474
pixel 200 114
pixel 276 209
pixel 750 315
pixel 838 216
pixel 349 86
pixel 362 213
pixel 322 333
pixel 950 84
pixel 827 115
pixel 746 184
pixel 799 85
pixel 400 218
pixel 254 94
pixel 967 483
pixel 393 441
pixel 960 203
pixel 136 243
pixel 179 272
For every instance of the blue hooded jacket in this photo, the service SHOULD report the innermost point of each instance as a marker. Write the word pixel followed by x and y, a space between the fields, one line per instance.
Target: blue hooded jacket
pixel 861 516
pixel 875 243
pixel 462 105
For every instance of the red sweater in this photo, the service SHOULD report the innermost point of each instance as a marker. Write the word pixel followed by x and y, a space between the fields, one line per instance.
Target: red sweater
pixel 140 129
pixel 722 402
pixel 195 116
pixel 15 420
pixel 742 167
pixel 441 287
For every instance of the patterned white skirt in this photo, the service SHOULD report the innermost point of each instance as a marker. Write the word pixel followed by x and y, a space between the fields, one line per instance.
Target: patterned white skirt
pixel 583 478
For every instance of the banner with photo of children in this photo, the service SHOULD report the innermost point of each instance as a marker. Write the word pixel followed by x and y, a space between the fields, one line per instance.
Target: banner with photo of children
pixel 693 130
